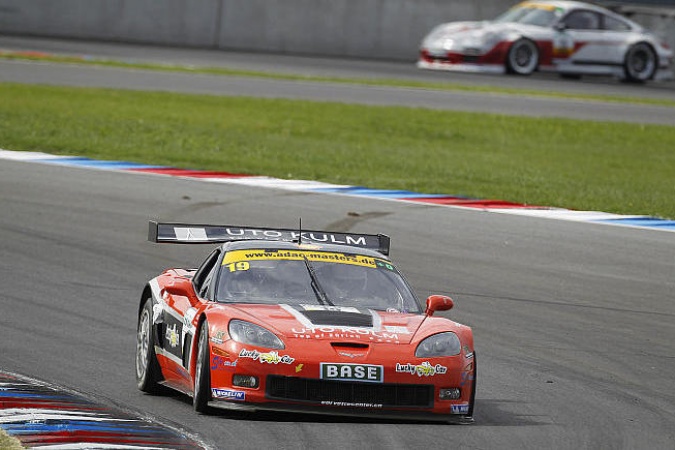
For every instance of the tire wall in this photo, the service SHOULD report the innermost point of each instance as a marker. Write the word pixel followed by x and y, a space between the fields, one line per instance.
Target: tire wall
pixel 385 29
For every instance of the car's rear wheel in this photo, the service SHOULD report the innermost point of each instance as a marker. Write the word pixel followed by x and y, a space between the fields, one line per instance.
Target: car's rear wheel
pixel 202 389
pixel 640 63
pixel 523 57
pixel 148 373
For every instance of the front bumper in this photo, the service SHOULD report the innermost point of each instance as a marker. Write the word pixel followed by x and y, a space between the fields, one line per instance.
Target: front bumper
pixel 461 67
pixel 421 416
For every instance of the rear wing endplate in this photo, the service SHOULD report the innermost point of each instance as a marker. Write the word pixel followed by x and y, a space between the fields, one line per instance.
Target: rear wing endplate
pixel 185 233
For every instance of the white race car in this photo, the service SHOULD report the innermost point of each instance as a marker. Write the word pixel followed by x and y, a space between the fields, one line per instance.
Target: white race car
pixel 568 37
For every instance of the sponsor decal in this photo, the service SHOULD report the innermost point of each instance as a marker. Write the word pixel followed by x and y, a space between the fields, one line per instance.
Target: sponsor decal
pixel 350 355
pixel 460 409
pixel 396 329
pixel 190 234
pixel 421 370
pixel 467 375
pixel 220 363
pixel 468 354
pixel 228 394
pixel 351 405
pixel 297 255
pixel 189 317
pixel 219 337
pixel 563 46
pixel 330 308
pixel 157 316
pixel 269 358
pixel 172 336
pixel 345 333
pixel 298 368
pixel 352 372
pixel 333 238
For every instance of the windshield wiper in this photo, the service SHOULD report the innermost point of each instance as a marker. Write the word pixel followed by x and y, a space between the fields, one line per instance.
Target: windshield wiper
pixel 320 293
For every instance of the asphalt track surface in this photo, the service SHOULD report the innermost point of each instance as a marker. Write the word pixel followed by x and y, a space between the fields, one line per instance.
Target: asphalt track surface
pixel 574 322
pixel 108 77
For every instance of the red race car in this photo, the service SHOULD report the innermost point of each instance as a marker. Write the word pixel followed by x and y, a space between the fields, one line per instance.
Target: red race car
pixel 305 321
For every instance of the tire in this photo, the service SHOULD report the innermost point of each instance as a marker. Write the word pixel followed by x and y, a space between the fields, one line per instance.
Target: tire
pixel 640 63
pixel 202 388
pixel 148 372
pixel 522 58
pixel 473 387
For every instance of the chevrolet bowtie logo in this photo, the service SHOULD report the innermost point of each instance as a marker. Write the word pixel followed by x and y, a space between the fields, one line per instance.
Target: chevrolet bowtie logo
pixel 348 355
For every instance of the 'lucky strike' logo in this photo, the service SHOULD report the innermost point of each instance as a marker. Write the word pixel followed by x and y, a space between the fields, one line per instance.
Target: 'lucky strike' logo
pixel 421 370
pixel 269 358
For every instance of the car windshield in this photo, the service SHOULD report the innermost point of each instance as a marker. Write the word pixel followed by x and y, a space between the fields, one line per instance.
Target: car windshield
pixel 531 14
pixel 300 277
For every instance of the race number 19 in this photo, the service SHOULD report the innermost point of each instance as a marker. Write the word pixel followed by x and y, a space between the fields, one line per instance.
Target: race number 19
pixel 235 267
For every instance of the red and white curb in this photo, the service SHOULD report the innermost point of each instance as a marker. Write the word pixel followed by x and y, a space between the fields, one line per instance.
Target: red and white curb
pixel 497 206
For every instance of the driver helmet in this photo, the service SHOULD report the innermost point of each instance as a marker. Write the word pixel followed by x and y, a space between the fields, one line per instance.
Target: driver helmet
pixel 349 279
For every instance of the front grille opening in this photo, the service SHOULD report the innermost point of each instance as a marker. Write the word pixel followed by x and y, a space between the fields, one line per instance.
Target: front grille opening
pixel 317 391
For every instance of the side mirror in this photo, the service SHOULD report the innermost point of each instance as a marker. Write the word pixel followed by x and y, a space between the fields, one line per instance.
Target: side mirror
pixel 560 26
pixel 438 303
pixel 182 287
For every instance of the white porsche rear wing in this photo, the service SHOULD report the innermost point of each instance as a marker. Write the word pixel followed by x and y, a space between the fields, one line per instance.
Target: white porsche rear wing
pixel 184 233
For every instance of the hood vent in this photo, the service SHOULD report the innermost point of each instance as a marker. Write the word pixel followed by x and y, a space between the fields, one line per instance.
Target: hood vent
pixel 339 318
pixel 349 345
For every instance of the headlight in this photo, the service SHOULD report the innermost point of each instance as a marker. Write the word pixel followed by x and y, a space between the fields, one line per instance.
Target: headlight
pixel 447 43
pixel 441 344
pixel 251 334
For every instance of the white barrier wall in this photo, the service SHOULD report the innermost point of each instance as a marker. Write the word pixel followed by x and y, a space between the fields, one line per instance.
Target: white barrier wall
pixel 384 29
pixel 388 29
pixel 170 22
pixel 363 28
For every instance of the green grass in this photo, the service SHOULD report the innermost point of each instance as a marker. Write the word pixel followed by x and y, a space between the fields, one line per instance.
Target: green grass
pixel 9 443
pixel 222 71
pixel 614 167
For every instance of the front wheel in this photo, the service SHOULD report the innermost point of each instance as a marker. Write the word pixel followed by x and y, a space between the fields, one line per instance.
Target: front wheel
pixel 148 372
pixel 523 57
pixel 472 403
pixel 202 388
pixel 640 63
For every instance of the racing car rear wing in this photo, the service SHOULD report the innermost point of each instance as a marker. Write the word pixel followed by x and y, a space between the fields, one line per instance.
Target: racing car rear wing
pixel 185 233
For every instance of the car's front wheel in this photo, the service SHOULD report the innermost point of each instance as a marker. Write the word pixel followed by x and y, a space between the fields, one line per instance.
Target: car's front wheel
pixel 523 57
pixel 640 63
pixel 148 373
pixel 202 389
pixel 472 403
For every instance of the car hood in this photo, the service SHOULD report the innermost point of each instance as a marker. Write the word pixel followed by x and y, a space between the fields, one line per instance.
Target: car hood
pixel 335 323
